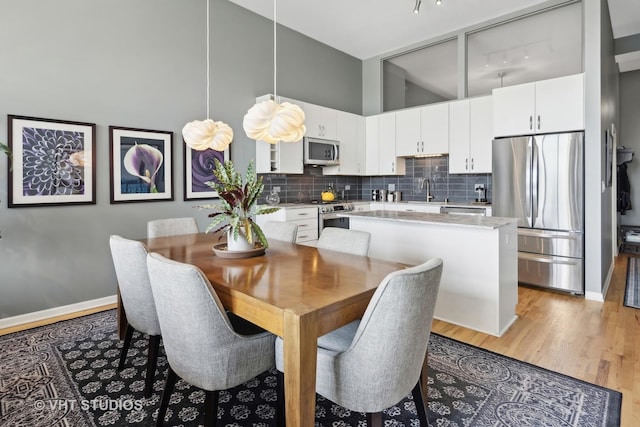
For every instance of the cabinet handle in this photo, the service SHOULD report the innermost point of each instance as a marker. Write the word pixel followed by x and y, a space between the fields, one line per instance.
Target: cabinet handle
pixel 538 121
pixel 303 214
pixel 423 146
pixel 466 164
pixel 418 146
pixel 393 166
pixel 472 163
pixel 301 236
pixel 530 122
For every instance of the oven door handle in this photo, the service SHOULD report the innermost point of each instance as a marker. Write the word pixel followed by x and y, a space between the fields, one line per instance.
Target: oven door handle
pixel 332 215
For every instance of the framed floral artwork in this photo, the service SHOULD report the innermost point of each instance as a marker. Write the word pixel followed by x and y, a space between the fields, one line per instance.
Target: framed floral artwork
pixel 198 169
pixel 53 162
pixel 141 165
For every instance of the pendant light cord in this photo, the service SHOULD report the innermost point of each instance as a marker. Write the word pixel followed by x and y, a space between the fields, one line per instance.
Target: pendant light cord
pixel 208 66
pixel 275 48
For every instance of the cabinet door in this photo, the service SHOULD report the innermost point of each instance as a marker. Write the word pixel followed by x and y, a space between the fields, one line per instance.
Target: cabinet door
pixel 480 134
pixel 388 163
pixel 560 104
pixel 347 134
pixel 372 136
pixel 290 157
pixel 408 132
pixel 320 121
pixel 513 110
pixel 361 146
pixel 434 128
pixel 459 161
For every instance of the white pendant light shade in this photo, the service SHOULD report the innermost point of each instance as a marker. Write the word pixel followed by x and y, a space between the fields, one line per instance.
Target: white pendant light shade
pixel 203 134
pixel 271 122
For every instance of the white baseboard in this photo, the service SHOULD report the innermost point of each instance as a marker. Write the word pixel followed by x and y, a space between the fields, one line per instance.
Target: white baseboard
pixel 594 296
pixel 56 311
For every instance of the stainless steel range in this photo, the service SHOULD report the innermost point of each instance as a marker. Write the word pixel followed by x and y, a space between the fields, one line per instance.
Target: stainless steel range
pixel 328 214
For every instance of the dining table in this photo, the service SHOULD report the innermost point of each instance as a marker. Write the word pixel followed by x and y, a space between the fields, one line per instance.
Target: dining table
pixel 295 291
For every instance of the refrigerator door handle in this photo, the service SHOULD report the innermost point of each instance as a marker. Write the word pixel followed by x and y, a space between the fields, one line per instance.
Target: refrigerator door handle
pixel 535 184
pixel 548 259
pixel 528 183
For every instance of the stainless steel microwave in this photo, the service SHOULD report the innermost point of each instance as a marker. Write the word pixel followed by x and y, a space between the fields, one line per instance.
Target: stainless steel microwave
pixel 321 152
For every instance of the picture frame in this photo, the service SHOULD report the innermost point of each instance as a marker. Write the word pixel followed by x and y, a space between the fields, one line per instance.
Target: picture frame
pixel 198 169
pixel 141 164
pixel 52 163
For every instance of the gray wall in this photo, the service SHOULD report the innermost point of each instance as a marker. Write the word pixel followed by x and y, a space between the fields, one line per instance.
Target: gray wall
pixel 139 64
pixel 629 137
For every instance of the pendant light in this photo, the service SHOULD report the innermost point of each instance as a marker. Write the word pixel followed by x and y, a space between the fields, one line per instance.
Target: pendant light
pixel 271 121
pixel 416 9
pixel 201 135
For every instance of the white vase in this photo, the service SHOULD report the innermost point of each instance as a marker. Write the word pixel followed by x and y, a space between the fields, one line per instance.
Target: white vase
pixel 239 244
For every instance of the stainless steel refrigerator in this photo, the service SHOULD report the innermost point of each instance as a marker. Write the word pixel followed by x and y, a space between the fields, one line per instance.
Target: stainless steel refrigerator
pixel 540 180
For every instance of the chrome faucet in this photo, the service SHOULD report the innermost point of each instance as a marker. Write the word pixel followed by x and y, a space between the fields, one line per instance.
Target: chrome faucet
pixel 426 183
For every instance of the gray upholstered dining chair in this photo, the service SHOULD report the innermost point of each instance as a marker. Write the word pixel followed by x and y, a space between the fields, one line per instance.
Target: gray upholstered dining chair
pixel 344 240
pixel 280 230
pixel 130 262
pixel 204 346
pixel 372 364
pixel 171 227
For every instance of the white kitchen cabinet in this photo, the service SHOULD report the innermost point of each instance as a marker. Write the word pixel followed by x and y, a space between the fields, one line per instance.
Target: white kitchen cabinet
pixel 546 106
pixel 347 134
pixel 423 130
pixel 361 125
pixel 304 216
pixel 283 157
pixel 372 137
pixel 470 135
pixel 321 122
pixel 388 162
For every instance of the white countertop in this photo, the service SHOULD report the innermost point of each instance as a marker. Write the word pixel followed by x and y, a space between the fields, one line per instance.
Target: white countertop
pixel 475 221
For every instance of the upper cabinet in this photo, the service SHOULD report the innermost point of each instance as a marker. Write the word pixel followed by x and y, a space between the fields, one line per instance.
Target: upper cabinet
pixel 321 122
pixel 423 130
pixel 546 106
pixel 470 135
pixel 380 157
pixel 350 132
pixel 388 161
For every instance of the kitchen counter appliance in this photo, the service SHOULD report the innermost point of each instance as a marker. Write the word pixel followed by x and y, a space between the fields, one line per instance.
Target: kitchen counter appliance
pixel 321 152
pixel 540 180
pixel 328 215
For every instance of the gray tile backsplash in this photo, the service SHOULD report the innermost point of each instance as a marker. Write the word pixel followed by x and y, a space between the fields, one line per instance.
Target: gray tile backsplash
pixel 455 188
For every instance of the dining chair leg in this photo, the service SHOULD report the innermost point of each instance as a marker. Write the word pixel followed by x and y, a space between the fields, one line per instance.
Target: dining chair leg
pixel 172 377
pixel 281 418
pixel 374 419
pixel 152 358
pixel 418 400
pixel 211 408
pixel 125 346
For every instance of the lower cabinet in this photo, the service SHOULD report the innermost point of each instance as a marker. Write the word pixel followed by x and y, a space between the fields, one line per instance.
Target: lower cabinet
pixel 305 217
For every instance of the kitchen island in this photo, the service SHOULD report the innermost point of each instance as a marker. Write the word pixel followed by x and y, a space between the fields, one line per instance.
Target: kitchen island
pixel 479 285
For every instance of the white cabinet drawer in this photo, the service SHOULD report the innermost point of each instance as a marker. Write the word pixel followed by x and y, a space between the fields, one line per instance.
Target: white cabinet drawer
pixel 307 229
pixel 302 213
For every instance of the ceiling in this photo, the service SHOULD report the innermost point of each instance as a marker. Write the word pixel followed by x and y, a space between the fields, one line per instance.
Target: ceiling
pixel 368 28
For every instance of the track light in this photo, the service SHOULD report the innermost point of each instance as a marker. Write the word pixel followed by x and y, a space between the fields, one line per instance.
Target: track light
pixel 417 8
pixel 438 2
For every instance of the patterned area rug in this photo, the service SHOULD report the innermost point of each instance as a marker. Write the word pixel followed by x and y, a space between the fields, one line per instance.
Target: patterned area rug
pixel 65 375
pixel 632 289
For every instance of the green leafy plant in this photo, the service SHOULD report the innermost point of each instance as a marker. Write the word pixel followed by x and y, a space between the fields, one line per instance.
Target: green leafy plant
pixel 237 204
pixel 6 150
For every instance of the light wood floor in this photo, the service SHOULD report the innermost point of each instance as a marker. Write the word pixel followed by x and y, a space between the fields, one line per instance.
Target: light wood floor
pixel 593 341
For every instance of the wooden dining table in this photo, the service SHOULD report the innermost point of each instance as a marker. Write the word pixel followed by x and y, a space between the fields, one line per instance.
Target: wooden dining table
pixel 296 292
